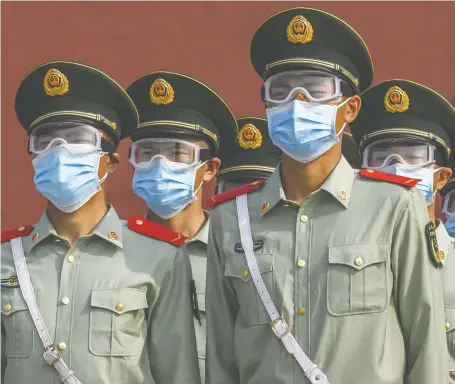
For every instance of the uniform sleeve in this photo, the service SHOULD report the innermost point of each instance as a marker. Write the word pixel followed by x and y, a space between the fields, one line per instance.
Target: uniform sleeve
pixel 221 311
pixel 172 342
pixel 418 296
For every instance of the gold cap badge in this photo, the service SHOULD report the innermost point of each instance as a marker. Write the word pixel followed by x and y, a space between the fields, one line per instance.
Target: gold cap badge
pixel 249 137
pixel 299 30
pixel 161 92
pixel 396 100
pixel 55 83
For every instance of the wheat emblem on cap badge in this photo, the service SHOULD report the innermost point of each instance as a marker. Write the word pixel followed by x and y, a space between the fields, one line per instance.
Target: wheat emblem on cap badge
pixel 161 92
pixel 396 100
pixel 299 30
pixel 55 83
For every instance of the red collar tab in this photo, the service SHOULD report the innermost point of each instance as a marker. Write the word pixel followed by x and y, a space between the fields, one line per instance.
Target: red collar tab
pixel 228 195
pixel 402 180
pixel 18 232
pixel 156 231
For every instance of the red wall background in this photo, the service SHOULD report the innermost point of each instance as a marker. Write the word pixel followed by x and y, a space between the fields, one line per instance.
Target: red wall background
pixel 209 40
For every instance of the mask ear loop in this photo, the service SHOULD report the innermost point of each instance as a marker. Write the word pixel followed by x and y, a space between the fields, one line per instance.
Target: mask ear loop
pixel 344 125
pixel 202 182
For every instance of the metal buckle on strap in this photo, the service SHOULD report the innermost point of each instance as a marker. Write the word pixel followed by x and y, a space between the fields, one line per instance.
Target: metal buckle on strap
pixel 51 354
pixel 279 327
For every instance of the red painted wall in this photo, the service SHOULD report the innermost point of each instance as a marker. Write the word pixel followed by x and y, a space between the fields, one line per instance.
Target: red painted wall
pixel 209 40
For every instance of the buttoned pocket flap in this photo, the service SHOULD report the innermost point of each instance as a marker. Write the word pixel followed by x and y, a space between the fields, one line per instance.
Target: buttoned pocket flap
pixel 450 319
pixel 120 300
pixel 12 301
pixel 358 256
pixel 237 266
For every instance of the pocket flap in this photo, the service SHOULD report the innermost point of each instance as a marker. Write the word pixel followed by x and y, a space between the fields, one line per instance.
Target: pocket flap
pixel 237 266
pixel 358 256
pixel 12 301
pixel 120 300
pixel 450 319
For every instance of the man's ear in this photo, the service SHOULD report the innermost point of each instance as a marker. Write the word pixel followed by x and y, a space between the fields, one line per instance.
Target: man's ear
pixel 352 108
pixel 211 169
pixel 444 176
pixel 113 159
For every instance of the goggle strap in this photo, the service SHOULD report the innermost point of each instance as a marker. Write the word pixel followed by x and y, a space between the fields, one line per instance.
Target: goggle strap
pixel 205 154
pixel 106 146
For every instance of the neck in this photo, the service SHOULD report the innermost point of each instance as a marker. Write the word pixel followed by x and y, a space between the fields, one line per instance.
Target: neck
pixel 301 179
pixel 188 222
pixel 431 212
pixel 79 223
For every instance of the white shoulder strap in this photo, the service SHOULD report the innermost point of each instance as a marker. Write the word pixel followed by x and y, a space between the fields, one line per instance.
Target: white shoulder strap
pixel 51 354
pixel 278 324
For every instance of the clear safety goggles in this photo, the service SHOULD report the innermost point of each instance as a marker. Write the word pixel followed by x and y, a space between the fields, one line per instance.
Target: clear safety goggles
pixel 448 205
pixel 144 151
pixel 317 86
pixel 388 151
pixel 51 135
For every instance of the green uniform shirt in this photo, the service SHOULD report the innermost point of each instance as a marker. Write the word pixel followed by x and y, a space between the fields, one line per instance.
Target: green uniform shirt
pixel 117 304
pixel 350 272
pixel 447 245
pixel 197 248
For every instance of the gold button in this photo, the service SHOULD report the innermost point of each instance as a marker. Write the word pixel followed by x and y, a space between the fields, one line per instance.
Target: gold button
pixel 71 259
pixel 304 218
pixel 265 206
pixel 245 273
pixel 120 307
pixel 113 236
pixel 370 171
pixel 35 237
pixel 8 308
pixel 442 257
pixel 21 229
pixel 255 182
pixel 301 311
pixel 342 195
pixel 301 263
pixel 139 222
pixel 358 261
pixel 447 324
pixel 65 300
pixel 62 346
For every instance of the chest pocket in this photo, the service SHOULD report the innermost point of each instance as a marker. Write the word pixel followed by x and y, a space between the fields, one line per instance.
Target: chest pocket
pixel 18 323
pixel 117 322
pixel 450 334
pixel 252 309
pixel 357 279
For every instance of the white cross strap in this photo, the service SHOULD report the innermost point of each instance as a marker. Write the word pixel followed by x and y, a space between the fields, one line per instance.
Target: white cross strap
pixel 51 354
pixel 278 324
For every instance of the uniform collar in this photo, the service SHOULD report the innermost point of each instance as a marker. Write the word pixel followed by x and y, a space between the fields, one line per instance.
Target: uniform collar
pixel 203 233
pixel 109 228
pixel 442 237
pixel 338 184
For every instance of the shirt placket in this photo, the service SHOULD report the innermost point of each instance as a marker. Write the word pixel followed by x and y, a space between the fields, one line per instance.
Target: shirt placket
pixel 302 261
pixel 66 300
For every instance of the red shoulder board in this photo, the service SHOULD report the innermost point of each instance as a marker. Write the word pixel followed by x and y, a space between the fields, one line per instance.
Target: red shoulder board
pixel 228 195
pixel 402 180
pixel 157 231
pixel 18 232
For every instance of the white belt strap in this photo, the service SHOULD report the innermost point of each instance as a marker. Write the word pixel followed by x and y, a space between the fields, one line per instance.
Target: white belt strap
pixel 51 354
pixel 278 324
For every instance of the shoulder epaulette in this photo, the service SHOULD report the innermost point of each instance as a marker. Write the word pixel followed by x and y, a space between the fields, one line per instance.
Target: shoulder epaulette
pixel 156 231
pixel 18 232
pixel 228 195
pixel 402 180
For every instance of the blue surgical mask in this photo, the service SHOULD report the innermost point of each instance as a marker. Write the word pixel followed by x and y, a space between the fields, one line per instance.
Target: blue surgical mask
pixel 450 224
pixel 304 131
pixel 421 173
pixel 166 187
pixel 68 175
